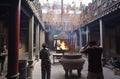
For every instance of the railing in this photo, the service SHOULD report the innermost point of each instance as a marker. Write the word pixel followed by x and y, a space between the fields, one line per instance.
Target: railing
pixel 36 7
pixel 96 12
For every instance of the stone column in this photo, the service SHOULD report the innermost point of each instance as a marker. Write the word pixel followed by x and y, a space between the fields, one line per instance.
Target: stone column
pixel 43 33
pixel 101 32
pixel 37 40
pixel 40 38
pixel 80 38
pixel 87 34
pixel 31 37
pixel 13 40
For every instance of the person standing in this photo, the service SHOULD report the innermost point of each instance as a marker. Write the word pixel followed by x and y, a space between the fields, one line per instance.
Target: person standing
pixel 94 52
pixel 45 62
pixel 3 54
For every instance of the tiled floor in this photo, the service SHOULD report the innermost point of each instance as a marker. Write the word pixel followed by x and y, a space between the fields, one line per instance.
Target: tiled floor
pixel 57 72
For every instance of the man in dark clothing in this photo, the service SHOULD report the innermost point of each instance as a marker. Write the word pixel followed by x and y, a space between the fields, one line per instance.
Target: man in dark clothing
pixel 3 54
pixel 45 62
pixel 94 52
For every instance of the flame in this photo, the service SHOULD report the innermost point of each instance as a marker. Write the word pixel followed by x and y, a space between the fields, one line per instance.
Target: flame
pixel 62 46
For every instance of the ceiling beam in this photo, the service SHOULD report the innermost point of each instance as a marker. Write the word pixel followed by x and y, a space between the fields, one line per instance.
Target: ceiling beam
pixel 25 12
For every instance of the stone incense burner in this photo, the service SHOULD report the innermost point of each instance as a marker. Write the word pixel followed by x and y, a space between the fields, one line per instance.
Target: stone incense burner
pixel 71 62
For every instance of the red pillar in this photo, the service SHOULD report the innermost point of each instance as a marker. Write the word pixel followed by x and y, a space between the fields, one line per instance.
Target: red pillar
pixel 13 39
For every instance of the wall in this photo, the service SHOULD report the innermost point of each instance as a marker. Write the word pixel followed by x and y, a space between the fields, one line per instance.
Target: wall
pixel 23 47
pixel 3 33
pixel 111 42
